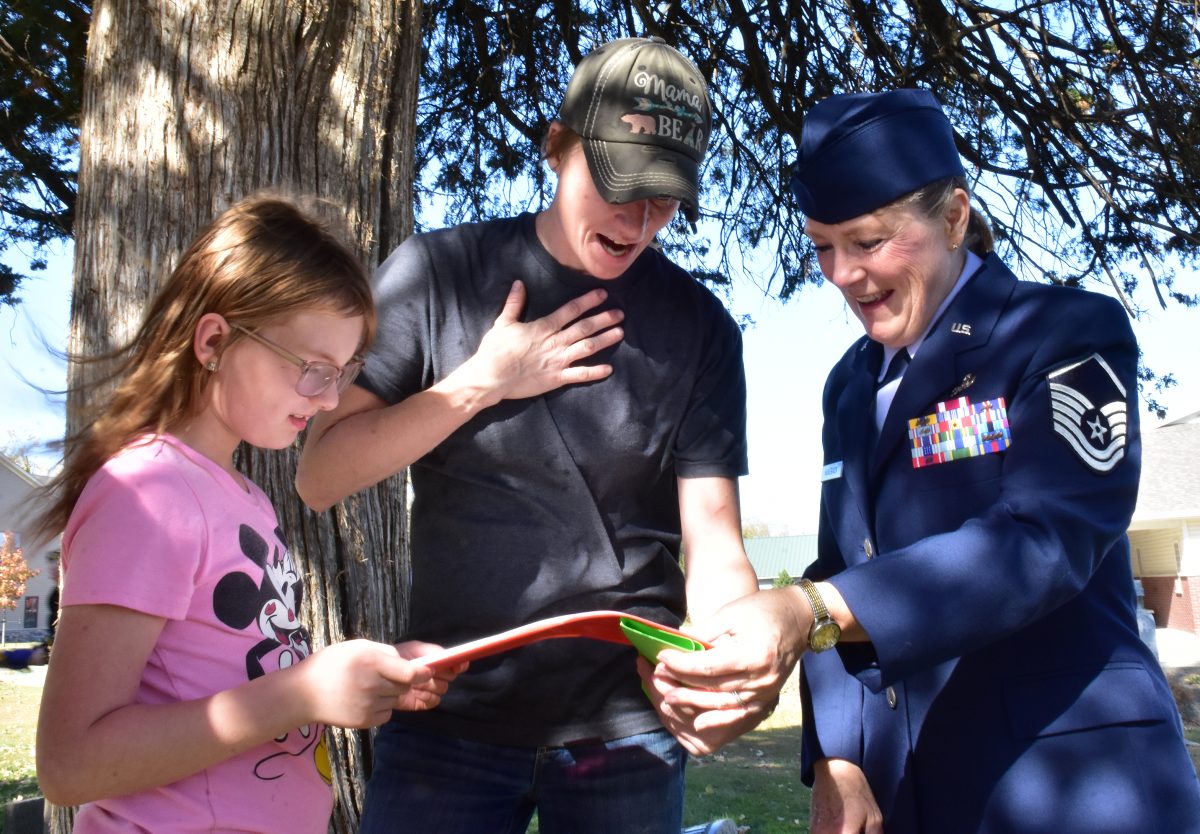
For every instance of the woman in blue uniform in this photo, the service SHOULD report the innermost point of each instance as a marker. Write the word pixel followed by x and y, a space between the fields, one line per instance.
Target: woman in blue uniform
pixel 973 655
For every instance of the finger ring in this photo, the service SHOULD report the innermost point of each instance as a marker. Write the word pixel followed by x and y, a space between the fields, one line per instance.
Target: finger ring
pixel 738 696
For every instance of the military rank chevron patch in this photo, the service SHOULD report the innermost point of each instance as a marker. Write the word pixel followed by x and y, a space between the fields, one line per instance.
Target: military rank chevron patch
pixel 1087 403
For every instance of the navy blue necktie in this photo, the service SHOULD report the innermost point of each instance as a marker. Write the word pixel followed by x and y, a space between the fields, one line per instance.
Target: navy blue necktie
pixel 895 368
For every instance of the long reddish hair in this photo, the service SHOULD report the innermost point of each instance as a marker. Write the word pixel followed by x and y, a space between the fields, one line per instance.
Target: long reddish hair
pixel 260 261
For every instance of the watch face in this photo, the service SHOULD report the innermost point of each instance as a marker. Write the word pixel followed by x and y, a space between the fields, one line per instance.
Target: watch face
pixel 824 635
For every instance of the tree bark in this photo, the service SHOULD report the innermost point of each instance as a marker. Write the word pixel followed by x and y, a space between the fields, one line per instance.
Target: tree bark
pixel 191 105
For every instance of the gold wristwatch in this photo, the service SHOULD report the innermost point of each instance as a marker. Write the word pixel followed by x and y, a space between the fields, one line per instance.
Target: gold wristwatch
pixel 824 633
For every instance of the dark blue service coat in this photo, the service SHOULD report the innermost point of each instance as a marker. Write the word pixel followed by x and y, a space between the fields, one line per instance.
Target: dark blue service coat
pixel 1004 687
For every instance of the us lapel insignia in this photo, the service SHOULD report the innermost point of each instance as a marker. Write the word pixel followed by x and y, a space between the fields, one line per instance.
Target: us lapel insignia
pixel 960 328
pixel 1087 406
pixel 959 429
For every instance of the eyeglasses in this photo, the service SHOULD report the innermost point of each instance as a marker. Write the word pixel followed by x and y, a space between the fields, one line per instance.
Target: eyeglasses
pixel 315 377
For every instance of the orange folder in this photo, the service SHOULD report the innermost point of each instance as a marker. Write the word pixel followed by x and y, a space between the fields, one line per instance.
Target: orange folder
pixel 646 636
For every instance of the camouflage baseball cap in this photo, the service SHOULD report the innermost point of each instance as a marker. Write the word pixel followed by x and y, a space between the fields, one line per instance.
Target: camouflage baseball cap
pixel 643 113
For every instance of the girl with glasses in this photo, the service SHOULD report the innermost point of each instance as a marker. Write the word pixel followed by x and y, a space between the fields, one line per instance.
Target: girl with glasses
pixel 184 694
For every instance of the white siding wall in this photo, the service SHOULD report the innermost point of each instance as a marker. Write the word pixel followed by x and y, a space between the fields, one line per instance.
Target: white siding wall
pixel 1189 547
pixel 14 489
pixel 1153 551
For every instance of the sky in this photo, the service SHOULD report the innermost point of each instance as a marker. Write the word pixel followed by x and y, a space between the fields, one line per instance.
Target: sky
pixel 30 333
pixel 788 352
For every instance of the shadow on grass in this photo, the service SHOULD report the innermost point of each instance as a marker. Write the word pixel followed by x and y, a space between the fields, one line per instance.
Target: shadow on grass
pixel 754 781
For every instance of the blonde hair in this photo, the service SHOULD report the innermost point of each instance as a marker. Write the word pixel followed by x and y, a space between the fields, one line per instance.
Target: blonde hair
pixel 931 201
pixel 260 261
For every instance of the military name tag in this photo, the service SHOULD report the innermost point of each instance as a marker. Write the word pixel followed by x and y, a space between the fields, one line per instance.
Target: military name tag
pixel 959 429
pixel 831 471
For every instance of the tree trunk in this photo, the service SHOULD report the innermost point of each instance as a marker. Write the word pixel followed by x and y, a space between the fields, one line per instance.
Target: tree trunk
pixel 191 105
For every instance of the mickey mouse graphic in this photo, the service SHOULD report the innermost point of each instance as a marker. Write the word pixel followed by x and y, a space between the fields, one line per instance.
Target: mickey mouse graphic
pixel 273 605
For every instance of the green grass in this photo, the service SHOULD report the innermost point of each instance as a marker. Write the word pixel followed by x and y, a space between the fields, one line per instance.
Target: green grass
pixel 755 781
pixel 18 725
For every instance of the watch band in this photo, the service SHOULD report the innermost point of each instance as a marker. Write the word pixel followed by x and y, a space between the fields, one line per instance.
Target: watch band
pixel 820 612
pixel 824 633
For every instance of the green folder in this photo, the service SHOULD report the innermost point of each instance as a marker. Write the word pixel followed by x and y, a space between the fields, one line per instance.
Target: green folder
pixel 650 640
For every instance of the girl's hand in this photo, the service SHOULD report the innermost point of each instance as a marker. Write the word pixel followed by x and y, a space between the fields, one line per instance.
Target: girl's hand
pixel 109 743
pixel 358 683
pixel 517 360
pixel 414 650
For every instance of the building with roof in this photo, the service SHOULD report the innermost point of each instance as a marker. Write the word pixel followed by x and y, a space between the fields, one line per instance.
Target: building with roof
pixel 773 555
pixel 31 619
pixel 1164 536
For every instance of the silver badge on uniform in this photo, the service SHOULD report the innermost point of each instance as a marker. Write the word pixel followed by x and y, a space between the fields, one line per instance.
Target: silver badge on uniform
pixel 1087 403
pixel 967 382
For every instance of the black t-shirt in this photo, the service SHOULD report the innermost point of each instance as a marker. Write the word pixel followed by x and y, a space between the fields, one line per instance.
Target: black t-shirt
pixel 561 503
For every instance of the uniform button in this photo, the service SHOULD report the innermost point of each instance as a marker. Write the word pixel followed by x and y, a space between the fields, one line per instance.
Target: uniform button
pixel 891 696
pixel 868 548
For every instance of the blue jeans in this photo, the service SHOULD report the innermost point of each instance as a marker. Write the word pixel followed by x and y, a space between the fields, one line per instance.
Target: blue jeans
pixel 429 783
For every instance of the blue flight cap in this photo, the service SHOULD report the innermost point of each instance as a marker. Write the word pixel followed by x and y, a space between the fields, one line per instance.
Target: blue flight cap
pixel 861 151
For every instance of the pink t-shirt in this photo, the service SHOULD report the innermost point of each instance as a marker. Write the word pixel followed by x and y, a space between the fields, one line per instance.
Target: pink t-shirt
pixel 163 530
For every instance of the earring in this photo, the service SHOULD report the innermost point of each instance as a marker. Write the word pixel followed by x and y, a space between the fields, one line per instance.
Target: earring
pixel 953 247
pixel 211 366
